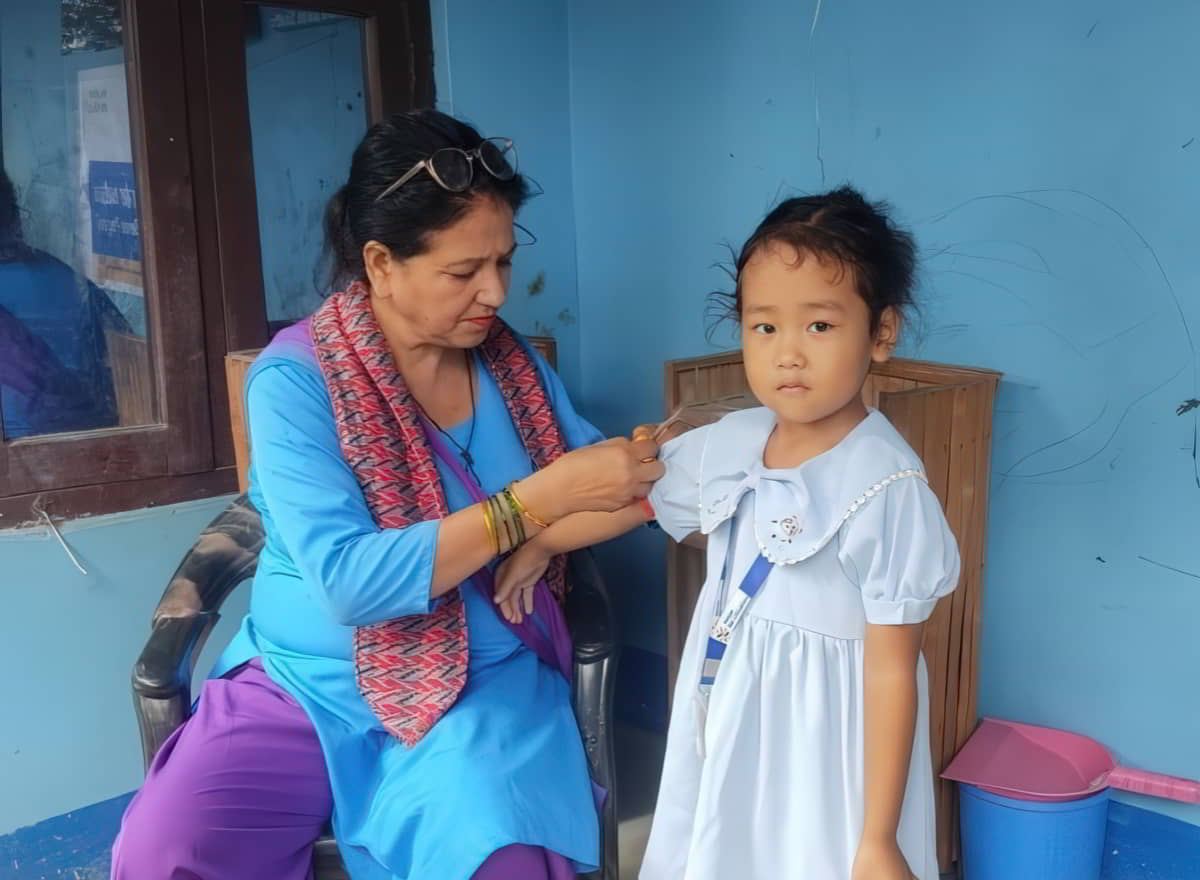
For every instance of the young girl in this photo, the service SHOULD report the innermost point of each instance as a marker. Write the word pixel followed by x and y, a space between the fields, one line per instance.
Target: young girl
pixel 798 744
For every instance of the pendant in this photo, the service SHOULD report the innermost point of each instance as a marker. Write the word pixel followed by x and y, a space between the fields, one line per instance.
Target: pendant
pixel 467 459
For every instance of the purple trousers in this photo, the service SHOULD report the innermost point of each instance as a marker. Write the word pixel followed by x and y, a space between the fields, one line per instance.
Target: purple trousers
pixel 240 792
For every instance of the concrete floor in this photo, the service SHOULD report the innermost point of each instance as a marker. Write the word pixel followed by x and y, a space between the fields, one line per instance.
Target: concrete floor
pixel 639 762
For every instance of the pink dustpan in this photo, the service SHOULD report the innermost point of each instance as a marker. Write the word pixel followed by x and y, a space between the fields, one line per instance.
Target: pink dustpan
pixel 1043 764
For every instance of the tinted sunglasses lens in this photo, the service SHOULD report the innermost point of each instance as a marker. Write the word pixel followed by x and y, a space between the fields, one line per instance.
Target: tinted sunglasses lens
pixel 452 168
pixel 499 157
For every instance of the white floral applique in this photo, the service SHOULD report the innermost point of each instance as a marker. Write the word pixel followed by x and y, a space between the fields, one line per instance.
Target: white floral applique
pixel 786 529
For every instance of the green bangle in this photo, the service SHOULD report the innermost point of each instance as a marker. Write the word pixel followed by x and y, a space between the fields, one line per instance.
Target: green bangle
pixel 502 514
pixel 516 512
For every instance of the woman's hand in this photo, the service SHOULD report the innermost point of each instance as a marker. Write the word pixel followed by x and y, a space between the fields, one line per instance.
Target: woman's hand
pixel 613 474
pixel 880 860
pixel 603 477
pixel 516 578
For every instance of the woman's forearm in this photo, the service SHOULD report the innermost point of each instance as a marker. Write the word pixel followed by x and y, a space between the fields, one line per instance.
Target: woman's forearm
pixel 584 480
pixel 592 527
pixel 465 545
pixel 890 717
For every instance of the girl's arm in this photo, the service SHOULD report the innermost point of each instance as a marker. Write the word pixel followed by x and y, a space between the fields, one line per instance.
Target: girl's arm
pixel 890 710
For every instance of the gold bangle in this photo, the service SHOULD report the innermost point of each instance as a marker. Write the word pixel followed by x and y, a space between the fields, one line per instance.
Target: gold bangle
pixel 491 527
pixel 501 530
pixel 522 509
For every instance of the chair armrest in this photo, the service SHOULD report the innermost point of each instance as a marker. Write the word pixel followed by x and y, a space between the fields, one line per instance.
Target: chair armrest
pixel 162 677
pixel 593 626
pixel 164 669
pixel 590 614
pixel 225 554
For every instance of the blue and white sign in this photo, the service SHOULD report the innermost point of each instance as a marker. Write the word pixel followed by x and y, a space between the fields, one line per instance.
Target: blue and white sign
pixel 112 195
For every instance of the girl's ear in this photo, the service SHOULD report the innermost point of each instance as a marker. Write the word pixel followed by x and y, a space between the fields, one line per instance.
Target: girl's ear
pixel 887 335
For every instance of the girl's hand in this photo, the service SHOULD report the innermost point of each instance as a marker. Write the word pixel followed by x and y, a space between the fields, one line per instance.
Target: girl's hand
pixel 880 860
pixel 516 578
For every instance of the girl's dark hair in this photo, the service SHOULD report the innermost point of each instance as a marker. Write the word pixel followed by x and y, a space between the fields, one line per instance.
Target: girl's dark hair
pixel 404 219
pixel 844 227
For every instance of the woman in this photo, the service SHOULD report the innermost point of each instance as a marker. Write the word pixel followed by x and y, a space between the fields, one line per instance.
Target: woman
pixel 54 370
pixel 373 677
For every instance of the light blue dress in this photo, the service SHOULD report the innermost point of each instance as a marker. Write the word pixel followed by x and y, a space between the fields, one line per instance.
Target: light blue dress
pixel 505 764
pixel 765 775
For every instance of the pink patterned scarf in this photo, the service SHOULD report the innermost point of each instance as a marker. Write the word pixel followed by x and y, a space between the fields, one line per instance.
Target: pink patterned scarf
pixel 411 669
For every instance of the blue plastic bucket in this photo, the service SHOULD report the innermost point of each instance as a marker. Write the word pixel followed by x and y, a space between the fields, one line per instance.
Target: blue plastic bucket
pixel 1008 839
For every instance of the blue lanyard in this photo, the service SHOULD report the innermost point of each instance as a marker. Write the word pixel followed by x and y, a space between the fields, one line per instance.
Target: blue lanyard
pixel 726 621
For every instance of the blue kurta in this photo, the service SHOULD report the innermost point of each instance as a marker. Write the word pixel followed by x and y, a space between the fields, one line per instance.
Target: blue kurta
pixel 54 370
pixel 505 764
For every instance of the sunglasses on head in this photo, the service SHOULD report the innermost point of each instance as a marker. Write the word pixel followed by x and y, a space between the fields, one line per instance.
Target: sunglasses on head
pixel 453 169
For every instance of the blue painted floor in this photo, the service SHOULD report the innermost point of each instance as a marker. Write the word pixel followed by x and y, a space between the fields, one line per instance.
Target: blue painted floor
pixel 74 846
pixel 1141 845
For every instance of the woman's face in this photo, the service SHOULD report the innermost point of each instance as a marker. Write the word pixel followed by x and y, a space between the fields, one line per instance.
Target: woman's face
pixel 448 295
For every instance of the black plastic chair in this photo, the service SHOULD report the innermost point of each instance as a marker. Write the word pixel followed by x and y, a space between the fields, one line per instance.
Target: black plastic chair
pixel 226 553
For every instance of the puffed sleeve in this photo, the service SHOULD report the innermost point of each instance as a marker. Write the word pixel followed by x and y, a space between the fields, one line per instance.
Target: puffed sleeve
pixel 676 497
pixel 900 551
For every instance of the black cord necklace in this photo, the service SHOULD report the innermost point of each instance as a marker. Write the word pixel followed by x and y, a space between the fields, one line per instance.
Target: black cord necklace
pixel 463 451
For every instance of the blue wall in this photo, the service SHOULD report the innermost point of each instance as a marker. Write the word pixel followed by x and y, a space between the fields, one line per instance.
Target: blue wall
pixel 504 68
pixel 307 114
pixel 69 738
pixel 1044 155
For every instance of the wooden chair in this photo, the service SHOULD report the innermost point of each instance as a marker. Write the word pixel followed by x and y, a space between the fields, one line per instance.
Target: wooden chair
pixel 133 383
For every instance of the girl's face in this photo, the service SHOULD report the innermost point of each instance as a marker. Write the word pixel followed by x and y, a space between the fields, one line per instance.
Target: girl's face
pixel 449 295
pixel 806 335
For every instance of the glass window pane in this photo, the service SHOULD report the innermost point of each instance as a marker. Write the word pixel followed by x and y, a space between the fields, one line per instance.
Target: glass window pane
pixel 307 113
pixel 73 335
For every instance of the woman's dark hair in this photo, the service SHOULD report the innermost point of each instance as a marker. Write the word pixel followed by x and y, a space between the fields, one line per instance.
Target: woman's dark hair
pixel 404 219
pixel 12 241
pixel 843 227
